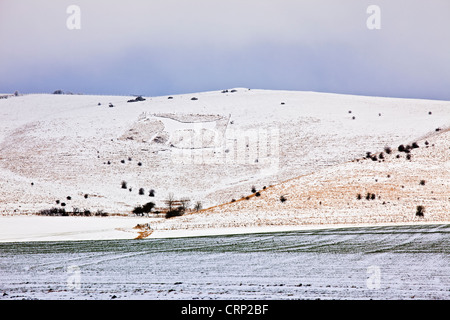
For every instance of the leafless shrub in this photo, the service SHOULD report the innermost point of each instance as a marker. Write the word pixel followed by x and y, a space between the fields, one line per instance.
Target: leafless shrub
pixel 420 210
pixel 198 206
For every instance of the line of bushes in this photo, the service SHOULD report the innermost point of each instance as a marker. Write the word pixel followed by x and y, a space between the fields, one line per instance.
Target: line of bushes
pixel 62 212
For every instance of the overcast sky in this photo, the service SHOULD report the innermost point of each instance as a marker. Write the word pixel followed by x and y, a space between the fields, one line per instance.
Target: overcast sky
pixel 159 47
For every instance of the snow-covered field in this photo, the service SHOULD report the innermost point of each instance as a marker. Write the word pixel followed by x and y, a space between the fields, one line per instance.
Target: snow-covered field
pixel 36 228
pixel 408 262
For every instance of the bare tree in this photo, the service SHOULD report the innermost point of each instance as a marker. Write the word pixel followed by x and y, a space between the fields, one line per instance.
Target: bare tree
pixel 198 206
pixel 185 203
pixel 170 201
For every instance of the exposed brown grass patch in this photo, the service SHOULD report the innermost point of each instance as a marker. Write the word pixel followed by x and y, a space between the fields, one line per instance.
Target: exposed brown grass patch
pixel 144 232
pixel 329 196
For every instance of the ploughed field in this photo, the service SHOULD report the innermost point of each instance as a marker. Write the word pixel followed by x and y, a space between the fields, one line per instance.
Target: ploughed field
pixel 404 262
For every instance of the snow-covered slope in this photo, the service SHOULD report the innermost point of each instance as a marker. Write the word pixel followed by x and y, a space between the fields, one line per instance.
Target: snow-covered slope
pixel 211 149
pixel 359 192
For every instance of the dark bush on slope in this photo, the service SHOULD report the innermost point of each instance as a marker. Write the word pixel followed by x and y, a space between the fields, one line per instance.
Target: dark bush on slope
pixel 420 210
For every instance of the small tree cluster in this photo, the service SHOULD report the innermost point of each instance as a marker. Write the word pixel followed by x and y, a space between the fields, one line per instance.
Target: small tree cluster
pixel 53 212
pixel 75 212
pixel 370 196
pixel 175 212
pixel 145 209
pixel 401 148
pixel 138 98
pixel 101 213
pixel 407 148
pixel 81 213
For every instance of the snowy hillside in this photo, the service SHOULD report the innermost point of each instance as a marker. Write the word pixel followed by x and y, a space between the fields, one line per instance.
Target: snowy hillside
pixel 210 147
pixel 382 189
